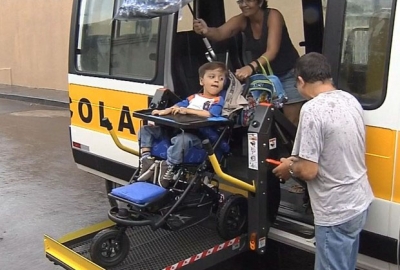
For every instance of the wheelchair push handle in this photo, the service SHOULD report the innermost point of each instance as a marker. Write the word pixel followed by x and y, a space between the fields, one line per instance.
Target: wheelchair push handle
pixel 107 123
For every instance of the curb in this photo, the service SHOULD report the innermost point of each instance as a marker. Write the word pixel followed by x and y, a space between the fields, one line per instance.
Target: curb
pixel 37 100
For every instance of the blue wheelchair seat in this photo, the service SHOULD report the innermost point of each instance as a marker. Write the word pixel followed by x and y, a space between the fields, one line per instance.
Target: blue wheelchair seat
pixel 139 192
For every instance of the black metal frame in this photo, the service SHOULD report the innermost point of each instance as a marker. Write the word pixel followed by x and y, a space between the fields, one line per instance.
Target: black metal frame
pixel 122 216
pixel 159 219
pixel 334 27
pixel 268 128
pixel 313 31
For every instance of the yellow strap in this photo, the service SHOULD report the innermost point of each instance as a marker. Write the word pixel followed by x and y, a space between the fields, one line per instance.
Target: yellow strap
pixel 268 65
pixel 262 68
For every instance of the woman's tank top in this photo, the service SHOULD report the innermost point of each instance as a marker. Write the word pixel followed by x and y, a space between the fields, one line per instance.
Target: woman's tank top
pixel 287 55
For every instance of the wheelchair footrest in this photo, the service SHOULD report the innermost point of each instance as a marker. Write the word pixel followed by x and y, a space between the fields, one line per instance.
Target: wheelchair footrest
pixel 139 192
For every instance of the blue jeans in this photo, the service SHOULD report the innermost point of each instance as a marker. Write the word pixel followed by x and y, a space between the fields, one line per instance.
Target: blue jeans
pixel 288 81
pixel 180 144
pixel 337 246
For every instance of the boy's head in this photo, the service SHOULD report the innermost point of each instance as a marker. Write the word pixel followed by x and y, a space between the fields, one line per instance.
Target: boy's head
pixel 212 77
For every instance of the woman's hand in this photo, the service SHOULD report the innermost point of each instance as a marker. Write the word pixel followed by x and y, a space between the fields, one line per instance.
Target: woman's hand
pixel 243 73
pixel 200 27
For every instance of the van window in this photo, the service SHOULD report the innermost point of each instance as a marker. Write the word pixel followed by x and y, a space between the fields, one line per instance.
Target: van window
pixel 115 48
pixel 366 50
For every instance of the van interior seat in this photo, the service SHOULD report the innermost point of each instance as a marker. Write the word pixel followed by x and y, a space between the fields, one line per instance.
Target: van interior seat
pixel 189 54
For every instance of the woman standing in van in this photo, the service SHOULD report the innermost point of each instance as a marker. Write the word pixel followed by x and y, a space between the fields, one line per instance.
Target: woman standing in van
pixel 266 37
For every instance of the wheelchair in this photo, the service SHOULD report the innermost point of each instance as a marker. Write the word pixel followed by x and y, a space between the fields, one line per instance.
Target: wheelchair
pixel 192 197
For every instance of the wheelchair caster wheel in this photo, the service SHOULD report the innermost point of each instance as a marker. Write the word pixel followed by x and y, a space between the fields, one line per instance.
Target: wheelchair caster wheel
pixel 106 250
pixel 232 217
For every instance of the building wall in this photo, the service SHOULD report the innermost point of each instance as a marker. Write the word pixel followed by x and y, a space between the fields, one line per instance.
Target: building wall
pixel 35 35
pixel 34 42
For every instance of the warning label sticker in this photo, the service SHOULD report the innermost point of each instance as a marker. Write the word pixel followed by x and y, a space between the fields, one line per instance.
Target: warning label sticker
pixel 272 143
pixel 253 151
pixel 261 242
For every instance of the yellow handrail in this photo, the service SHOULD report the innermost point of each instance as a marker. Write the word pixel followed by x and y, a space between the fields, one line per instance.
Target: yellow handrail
pixel 237 182
pixel 120 145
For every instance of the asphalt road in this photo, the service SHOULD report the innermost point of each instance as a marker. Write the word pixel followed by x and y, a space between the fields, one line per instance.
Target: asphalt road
pixel 42 192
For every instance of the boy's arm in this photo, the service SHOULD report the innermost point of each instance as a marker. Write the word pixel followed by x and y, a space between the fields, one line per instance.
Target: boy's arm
pixel 201 113
pixel 165 111
pixel 183 103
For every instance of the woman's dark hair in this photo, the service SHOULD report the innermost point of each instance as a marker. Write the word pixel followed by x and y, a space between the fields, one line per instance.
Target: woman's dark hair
pixel 313 67
pixel 264 3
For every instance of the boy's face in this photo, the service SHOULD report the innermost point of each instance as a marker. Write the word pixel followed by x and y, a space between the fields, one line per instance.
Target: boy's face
pixel 213 81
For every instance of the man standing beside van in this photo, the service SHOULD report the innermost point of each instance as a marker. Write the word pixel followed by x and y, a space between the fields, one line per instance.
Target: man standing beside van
pixel 329 154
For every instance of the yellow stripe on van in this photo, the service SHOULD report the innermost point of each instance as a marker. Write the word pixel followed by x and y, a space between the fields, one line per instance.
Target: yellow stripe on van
pixel 90 104
pixel 380 158
pixel 396 186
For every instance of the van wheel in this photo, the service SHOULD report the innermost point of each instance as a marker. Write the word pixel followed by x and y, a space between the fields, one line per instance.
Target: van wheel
pixel 232 217
pixel 108 251
pixel 110 185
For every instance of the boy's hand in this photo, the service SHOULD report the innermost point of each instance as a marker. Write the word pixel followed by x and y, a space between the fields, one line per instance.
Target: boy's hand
pixel 155 112
pixel 175 110
pixel 183 110
pixel 161 112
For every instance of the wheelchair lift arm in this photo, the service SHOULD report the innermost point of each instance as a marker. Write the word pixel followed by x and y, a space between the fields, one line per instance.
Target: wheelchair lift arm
pixel 262 144
pixel 106 122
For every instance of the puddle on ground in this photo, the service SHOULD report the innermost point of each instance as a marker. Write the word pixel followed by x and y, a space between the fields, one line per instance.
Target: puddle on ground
pixel 43 113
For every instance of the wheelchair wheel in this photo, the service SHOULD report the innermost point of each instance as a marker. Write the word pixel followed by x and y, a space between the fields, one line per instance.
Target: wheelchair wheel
pixel 106 251
pixel 232 217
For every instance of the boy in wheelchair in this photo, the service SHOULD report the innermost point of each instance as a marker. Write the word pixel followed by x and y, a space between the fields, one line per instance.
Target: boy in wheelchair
pixel 207 104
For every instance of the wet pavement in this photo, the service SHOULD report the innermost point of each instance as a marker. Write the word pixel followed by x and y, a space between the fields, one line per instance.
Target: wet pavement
pixel 42 192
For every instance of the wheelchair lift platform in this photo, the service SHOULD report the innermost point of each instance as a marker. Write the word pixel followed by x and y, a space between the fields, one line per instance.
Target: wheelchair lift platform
pixel 196 247
pixel 199 246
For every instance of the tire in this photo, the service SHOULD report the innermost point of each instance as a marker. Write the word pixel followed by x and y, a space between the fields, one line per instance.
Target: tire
pixel 110 185
pixel 232 217
pixel 103 243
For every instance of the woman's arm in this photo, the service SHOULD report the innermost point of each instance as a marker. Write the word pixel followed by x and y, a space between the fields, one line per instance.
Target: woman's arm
pixel 225 31
pixel 275 25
